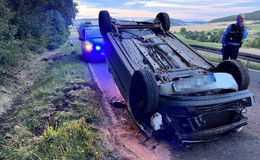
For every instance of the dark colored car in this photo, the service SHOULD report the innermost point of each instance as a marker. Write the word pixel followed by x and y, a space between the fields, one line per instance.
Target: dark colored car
pixel 171 90
pixel 92 43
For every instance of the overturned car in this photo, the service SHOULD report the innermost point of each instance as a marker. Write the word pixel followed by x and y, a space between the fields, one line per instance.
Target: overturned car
pixel 171 90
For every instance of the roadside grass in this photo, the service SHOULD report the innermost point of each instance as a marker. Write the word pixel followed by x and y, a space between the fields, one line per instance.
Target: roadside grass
pixel 74 33
pixel 251 65
pixel 213 59
pixel 58 117
pixel 254 28
pixel 189 41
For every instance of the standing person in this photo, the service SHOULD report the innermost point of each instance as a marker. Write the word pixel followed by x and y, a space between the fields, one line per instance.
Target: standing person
pixel 233 38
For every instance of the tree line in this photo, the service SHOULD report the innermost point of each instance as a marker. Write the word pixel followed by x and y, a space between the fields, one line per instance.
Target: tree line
pixel 214 36
pixel 254 42
pixel 30 26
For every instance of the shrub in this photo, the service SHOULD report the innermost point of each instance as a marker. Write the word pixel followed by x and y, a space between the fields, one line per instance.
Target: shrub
pixel 30 26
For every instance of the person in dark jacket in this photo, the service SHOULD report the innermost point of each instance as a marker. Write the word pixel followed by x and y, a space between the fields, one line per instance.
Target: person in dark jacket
pixel 233 38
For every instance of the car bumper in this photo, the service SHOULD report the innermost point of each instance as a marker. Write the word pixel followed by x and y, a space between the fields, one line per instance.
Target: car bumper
pixel 212 133
pixel 203 118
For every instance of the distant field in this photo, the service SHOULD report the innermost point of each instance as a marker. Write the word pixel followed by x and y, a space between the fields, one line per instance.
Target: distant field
pixel 188 41
pixel 211 26
pixel 253 29
pixel 78 22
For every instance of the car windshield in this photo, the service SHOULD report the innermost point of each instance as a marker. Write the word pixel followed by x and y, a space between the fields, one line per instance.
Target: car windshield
pixel 93 33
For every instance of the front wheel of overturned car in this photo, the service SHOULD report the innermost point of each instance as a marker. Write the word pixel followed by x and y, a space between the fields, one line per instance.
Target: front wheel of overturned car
pixel 237 70
pixel 143 94
pixel 104 21
pixel 165 20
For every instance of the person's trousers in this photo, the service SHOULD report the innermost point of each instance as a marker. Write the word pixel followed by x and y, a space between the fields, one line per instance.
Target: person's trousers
pixel 230 51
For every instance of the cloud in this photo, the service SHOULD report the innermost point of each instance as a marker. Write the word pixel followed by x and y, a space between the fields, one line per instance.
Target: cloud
pixel 89 12
pixel 188 9
pixel 188 4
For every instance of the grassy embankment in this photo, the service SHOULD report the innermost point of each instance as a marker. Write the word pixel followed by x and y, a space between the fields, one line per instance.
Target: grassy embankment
pixel 56 118
pixel 189 41
pixel 216 58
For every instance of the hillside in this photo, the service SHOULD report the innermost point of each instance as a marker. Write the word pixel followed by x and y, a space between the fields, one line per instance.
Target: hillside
pixel 174 22
pixel 79 21
pixel 249 16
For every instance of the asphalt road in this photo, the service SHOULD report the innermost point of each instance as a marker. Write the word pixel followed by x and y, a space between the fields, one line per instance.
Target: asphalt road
pixel 254 85
pixel 241 146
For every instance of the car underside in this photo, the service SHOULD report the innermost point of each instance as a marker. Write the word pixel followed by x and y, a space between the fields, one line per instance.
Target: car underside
pixel 171 90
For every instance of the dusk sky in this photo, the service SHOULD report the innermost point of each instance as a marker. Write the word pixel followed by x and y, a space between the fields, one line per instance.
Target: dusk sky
pixel 178 9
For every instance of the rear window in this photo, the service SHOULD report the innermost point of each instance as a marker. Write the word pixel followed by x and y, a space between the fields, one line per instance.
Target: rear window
pixel 93 33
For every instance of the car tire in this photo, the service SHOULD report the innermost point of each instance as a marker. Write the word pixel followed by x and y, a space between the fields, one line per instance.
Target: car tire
pixel 86 59
pixel 237 70
pixel 165 20
pixel 143 94
pixel 104 21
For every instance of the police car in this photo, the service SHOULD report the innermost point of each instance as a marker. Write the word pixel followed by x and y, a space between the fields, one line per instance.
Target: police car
pixel 92 44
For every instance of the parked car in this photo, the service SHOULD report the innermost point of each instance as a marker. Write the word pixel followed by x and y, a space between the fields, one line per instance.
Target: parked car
pixel 92 43
pixel 171 90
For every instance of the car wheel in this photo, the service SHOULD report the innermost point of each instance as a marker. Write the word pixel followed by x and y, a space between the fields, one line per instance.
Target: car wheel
pixel 104 21
pixel 85 56
pixel 87 59
pixel 237 70
pixel 165 20
pixel 143 94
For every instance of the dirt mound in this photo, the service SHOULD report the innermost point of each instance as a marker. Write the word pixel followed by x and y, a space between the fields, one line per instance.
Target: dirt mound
pixel 55 57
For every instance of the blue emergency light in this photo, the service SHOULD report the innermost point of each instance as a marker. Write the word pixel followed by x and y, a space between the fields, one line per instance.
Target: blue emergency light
pixel 98 48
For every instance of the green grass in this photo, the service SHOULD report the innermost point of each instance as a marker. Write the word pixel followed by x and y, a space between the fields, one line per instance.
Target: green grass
pixel 57 117
pixel 73 140
pixel 188 41
pixel 251 29
pixel 213 59
pixel 74 34
pixel 254 28
pixel 254 66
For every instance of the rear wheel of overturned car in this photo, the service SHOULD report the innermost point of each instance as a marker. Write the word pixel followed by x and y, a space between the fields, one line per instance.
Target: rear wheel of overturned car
pixel 143 94
pixel 237 70
pixel 165 20
pixel 104 21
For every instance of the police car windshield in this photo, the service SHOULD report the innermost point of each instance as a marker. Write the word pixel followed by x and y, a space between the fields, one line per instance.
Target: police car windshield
pixel 93 32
